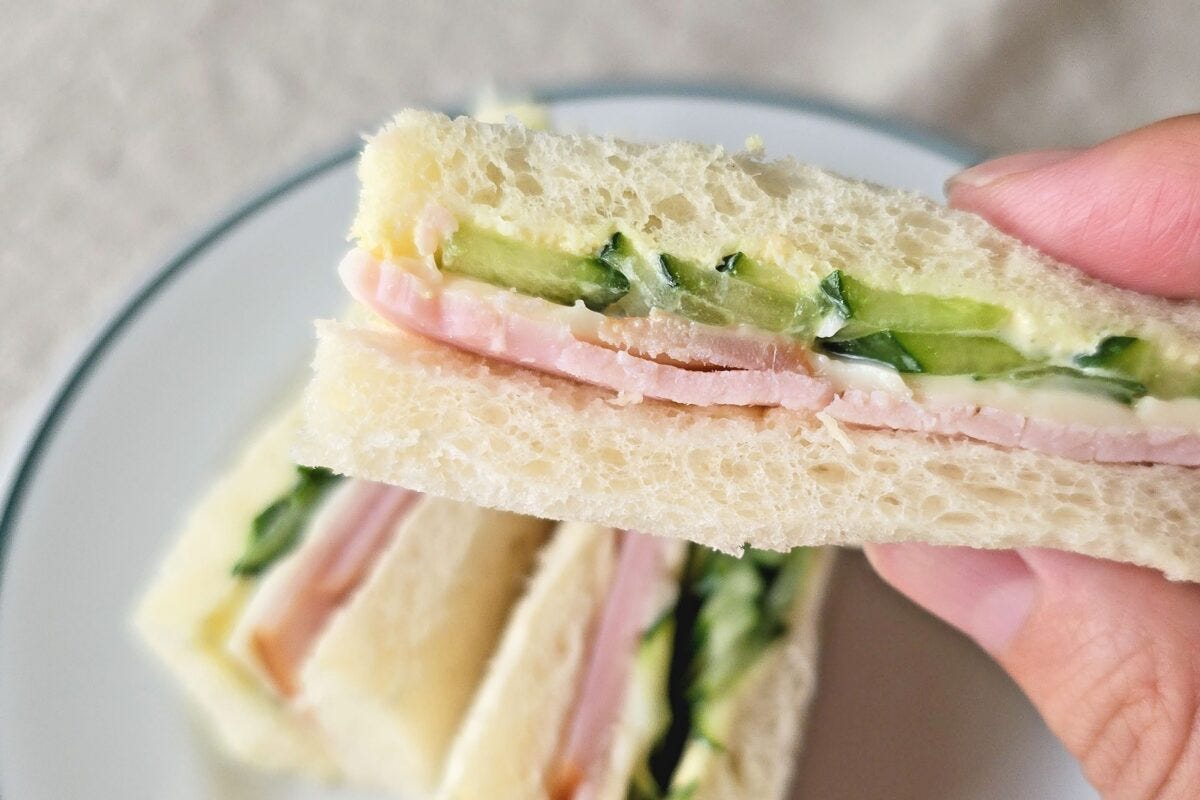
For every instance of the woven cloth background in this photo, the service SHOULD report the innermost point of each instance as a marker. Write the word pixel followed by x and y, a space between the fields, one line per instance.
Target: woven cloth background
pixel 127 124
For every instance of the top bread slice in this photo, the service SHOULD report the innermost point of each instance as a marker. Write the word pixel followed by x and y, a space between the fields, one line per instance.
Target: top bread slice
pixel 700 203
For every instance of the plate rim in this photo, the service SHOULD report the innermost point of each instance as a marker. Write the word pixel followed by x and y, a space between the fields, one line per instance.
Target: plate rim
pixel 31 443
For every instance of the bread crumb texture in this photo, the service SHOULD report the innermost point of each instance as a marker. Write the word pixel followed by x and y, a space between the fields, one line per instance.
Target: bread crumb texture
pixel 390 406
pixel 700 202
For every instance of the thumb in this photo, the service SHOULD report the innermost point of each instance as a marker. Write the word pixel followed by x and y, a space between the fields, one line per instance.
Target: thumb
pixel 1126 211
pixel 1109 653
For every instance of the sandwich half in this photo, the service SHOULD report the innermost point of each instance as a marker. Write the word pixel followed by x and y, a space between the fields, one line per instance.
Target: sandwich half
pixel 732 350
pixel 334 627
pixel 641 667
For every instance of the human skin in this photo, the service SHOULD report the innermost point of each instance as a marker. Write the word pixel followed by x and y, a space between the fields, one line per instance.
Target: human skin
pixel 1108 653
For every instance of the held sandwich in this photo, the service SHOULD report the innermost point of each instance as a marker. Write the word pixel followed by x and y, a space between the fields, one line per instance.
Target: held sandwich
pixel 733 350
pixel 334 627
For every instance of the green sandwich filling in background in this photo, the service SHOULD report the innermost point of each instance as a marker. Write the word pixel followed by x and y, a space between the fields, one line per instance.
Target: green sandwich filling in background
pixel 279 527
pixel 694 659
pixel 914 334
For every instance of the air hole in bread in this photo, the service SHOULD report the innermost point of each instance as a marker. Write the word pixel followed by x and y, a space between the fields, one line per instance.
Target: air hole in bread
pixel 996 495
pixel 829 474
pixel 618 162
pixel 933 505
pixel 494 174
pixel 957 519
pixel 887 466
pixel 677 209
pixel 528 185
pixel 772 182
pixel 951 472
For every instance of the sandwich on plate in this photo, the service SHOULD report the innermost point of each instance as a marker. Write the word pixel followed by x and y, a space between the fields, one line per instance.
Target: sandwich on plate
pixel 363 633
pixel 710 345
pixel 691 679
pixel 334 627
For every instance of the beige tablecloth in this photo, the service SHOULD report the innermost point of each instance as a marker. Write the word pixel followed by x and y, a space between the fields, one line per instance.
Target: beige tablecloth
pixel 127 124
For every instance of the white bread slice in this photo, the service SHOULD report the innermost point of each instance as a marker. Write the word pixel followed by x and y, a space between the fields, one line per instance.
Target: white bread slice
pixel 394 407
pixel 699 202
pixel 188 612
pixel 516 720
pixel 395 670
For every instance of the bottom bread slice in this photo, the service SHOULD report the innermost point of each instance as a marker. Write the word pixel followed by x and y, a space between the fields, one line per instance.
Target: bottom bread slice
pixel 394 407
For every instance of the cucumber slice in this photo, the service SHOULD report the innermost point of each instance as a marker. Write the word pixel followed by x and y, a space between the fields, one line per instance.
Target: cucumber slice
pixel 940 354
pixel 877 348
pixel 278 527
pixel 867 308
pixel 747 269
pixel 930 353
pixel 1137 360
pixel 652 668
pixel 722 293
pixel 558 277
pixel 649 287
pixel 1120 389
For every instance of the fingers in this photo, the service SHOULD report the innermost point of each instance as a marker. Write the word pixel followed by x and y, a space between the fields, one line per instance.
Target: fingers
pixel 1109 653
pixel 1126 211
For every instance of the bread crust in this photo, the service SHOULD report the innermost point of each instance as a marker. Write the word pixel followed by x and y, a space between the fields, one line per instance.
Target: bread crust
pixel 395 407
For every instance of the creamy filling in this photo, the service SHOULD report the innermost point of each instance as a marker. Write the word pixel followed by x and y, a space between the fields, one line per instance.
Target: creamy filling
pixel 291 608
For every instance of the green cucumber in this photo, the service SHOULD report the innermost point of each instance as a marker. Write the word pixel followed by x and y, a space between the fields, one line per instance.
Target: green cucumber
pixel 649 287
pixel 877 348
pixel 1138 360
pixel 1122 390
pixel 558 277
pixel 868 309
pixel 721 294
pixel 651 674
pixel 930 353
pixel 278 528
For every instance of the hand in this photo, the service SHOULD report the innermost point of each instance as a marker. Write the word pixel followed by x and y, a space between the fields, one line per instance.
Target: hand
pixel 1109 653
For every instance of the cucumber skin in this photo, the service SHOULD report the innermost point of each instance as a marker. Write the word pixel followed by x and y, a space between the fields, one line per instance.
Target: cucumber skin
pixel 916 334
pixel 510 264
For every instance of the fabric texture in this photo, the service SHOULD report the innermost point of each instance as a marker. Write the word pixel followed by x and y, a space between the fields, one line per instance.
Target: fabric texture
pixel 127 125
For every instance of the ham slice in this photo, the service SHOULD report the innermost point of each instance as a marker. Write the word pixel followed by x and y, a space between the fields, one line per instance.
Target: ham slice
pixel 622 621
pixel 680 341
pixel 665 357
pixel 493 324
pixel 284 630
pixel 880 409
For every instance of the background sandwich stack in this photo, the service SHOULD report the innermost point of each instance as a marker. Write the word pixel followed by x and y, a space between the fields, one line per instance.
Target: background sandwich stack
pixel 357 633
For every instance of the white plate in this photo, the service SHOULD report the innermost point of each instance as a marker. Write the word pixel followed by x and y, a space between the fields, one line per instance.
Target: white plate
pixel 167 394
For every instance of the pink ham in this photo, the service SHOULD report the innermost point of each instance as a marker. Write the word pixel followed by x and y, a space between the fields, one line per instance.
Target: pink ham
pixel 880 409
pixel 623 619
pixel 668 358
pixel 284 633
pixel 662 336
pixel 493 325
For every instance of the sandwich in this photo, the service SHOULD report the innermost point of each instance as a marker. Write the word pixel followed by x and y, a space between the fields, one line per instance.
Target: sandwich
pixel 732 350
pixel 691 679
pixel 333 627
pixel 362 633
